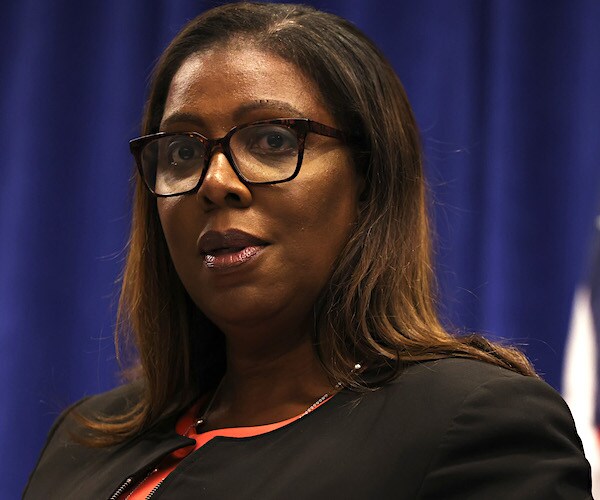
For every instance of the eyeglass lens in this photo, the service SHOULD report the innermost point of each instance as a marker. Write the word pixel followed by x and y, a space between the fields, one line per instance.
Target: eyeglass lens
pixel 261 153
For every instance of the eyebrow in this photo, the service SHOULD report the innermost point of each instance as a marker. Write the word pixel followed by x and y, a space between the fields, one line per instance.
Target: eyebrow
pixel 262 104
pixel 268 104
pixel 180 117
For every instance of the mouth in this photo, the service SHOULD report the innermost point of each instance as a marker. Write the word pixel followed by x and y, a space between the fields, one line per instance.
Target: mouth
pixel 231 248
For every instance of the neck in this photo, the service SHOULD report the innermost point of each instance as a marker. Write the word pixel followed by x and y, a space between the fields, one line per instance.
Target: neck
pixel 268 385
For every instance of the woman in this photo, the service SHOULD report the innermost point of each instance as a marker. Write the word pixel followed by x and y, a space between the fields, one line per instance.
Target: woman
pixel 278 292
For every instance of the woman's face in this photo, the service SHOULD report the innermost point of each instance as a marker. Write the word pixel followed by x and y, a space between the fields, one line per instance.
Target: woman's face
pixel 254 254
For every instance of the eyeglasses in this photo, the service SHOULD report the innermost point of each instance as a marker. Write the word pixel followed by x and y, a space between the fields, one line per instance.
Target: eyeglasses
pixel 263 152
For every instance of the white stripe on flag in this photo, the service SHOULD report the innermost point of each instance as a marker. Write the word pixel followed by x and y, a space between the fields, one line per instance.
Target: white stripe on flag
pixel 579 379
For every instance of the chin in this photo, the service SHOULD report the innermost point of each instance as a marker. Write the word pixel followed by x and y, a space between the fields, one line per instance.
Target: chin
pixel 238 313
pixel 270 315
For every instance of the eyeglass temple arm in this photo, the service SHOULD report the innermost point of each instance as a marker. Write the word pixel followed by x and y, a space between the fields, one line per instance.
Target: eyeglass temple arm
pixel 319 128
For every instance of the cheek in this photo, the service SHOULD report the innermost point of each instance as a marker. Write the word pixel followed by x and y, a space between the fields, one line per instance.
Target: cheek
pixel 177 221
pixel 325 210
pixel 166 214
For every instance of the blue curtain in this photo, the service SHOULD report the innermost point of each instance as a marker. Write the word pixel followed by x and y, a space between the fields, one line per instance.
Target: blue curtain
pixel 507 94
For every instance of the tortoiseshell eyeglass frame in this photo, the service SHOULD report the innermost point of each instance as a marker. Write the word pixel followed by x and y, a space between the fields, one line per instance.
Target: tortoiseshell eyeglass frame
pixel 300 126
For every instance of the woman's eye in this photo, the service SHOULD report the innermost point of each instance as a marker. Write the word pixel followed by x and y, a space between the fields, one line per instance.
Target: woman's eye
pixel 182 152
pixel 273 141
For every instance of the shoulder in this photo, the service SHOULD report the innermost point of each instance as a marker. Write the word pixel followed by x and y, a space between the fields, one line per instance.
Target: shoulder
pixel 452 382
pixel 106 404
pixel 492 433
pixel 445 387
pixel 113 402
pixel 456 374
pixel 61 454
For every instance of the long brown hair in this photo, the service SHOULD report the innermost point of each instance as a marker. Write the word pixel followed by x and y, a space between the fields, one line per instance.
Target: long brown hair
pixel 378 307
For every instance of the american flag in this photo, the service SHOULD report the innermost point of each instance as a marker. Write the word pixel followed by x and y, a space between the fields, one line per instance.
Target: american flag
pixel 581 371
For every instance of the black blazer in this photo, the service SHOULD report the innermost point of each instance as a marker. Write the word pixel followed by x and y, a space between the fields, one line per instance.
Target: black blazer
pixel 448 429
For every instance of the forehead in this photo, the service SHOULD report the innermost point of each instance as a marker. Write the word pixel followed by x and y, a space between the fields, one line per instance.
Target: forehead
pixel 226 85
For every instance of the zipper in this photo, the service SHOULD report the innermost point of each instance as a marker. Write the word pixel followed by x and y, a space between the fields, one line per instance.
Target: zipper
pixel 135 479
pixel 119 491
pixel 129 482
pixel 151 494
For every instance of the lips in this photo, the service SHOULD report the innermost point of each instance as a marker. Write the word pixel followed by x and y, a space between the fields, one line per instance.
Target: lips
pixel 222 250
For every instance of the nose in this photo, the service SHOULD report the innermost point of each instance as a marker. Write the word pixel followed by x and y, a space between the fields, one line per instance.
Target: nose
pixel 221 186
